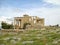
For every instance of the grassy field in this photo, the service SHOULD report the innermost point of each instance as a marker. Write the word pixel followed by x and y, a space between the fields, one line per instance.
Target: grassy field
pixel 31 37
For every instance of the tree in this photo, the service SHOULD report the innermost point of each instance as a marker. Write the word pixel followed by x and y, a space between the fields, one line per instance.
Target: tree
pixel 57 25
pixel 6 26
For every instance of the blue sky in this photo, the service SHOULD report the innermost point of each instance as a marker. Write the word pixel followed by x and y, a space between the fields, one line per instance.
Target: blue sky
pixel 25 3
pixel 48 9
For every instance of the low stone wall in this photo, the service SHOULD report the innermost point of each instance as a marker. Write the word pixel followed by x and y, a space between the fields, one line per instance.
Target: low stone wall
pixel 11 30
pixel 23 30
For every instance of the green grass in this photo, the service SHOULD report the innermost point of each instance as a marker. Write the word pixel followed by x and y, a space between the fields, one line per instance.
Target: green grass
pixel 39 37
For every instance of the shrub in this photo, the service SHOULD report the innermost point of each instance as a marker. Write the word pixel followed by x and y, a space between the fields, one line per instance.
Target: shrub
pixel 6 26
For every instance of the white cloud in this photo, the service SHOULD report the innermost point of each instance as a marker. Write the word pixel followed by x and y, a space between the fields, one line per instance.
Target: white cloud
pixel 8 20
pixel 51 15
pixel 10 11
pixel 57 2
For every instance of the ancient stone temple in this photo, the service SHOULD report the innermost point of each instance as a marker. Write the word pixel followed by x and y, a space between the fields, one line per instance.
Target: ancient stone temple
pixel 28 22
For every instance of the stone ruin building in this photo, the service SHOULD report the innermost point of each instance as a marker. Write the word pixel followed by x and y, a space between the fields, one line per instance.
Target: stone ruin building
pixel 28 22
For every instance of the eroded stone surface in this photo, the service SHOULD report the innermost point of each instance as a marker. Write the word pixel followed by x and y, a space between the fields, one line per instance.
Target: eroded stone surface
pixel 24 42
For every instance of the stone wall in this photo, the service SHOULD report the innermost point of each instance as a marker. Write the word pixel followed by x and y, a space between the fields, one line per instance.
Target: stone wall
pixel 32 20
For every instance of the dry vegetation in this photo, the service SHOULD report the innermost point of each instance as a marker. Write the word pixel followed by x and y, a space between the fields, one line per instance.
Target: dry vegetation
pixel 49 36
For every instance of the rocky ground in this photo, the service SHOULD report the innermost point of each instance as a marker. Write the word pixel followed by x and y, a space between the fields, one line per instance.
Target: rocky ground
pixel 31 37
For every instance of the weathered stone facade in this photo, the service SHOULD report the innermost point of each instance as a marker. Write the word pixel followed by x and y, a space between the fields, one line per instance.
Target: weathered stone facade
pixel 28 21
